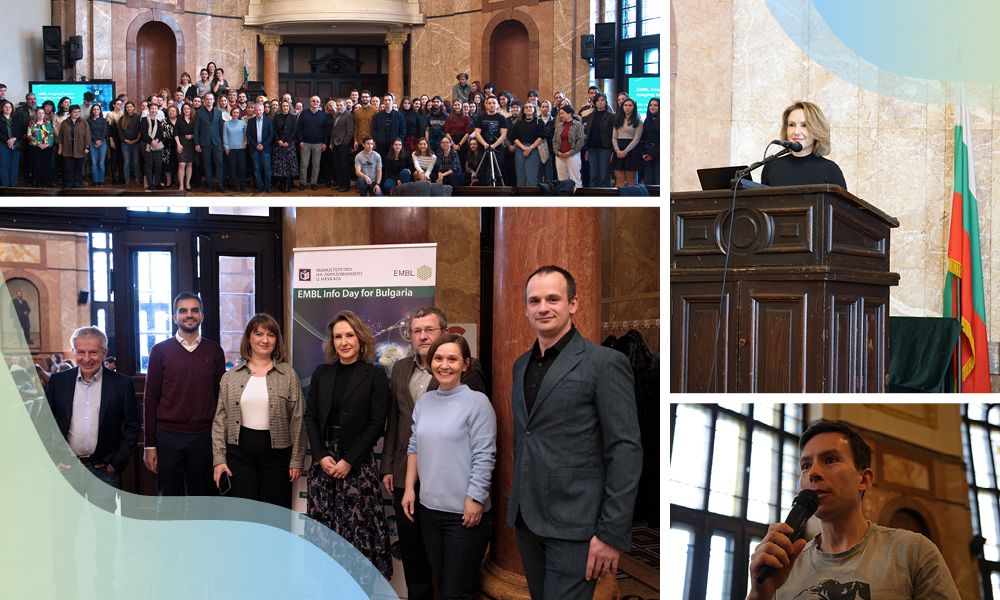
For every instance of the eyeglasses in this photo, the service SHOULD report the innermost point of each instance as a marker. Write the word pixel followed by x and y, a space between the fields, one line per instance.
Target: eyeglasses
pixel 428 331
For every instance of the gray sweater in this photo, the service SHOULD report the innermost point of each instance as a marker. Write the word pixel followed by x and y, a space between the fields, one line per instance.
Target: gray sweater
pixel 456 434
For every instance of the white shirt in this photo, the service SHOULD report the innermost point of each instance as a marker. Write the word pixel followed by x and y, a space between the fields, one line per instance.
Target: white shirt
pixel 254 405
pixel 419 380
pixel 83 425
pixel 189 346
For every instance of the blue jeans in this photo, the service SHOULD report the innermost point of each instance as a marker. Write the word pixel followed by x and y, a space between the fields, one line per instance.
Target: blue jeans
pixel 368 190
pixel 97 157
pixel 404 177
pixel 600 167
pixel 9 162
pixel 130 158
pixel 651 172
pixel 262 163
pixel 527 167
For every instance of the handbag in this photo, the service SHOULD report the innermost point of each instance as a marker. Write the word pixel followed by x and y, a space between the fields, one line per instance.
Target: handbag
pixel 543 152
pixel 651 149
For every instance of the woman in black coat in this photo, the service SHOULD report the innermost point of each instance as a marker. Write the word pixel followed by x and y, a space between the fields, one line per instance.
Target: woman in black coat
pixel 346 410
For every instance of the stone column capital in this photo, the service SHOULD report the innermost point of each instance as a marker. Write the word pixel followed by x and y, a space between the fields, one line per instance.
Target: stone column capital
pixel 396 41
pixel 270 41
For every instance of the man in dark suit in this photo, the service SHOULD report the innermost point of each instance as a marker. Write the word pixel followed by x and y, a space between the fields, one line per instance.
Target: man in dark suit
pixel 260 138
pixel 208 125
pixel 23 311
pixel 577 457
pixel 411 378
pixel 342 139
pixel 96 411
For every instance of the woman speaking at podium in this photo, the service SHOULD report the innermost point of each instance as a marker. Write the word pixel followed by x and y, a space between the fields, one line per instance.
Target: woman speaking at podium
pixel 803 122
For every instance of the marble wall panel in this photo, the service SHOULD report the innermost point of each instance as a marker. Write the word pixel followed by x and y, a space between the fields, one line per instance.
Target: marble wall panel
pixel 564 45
pixel 102 40
pixel 845 150
pixel 704 59
pixel 839 99
pixel 456 232
pixel 769 71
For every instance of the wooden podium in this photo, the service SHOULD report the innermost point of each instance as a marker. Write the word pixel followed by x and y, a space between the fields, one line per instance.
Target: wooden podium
pixel 805 306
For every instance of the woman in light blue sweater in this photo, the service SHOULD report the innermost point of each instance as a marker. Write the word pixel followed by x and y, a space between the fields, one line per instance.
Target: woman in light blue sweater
pixel 452 452
pixel 234 142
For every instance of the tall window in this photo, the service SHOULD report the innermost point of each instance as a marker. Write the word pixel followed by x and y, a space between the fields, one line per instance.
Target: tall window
pixel 981 441
pixel 638 70
pixel 102 298
pixel 733 471
pixel 153 308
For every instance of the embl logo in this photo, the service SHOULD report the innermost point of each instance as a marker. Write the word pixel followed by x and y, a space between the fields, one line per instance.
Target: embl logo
pixel 305 274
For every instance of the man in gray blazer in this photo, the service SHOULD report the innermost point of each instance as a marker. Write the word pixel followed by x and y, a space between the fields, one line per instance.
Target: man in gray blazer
pixel 577 457
pixel 411 378
pixel 208 126
pixel 341 140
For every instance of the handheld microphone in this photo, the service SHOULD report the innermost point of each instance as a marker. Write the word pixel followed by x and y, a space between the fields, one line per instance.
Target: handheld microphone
pixel 803 507
pixel 793 146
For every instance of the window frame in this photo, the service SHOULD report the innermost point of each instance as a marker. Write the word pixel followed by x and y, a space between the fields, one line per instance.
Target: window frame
pixel 742 530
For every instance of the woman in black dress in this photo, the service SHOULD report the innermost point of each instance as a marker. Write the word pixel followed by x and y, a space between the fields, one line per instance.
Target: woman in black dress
pixel 346 409
pixel 284 165
pixel 184 138
pixel 169 148
pixel 804 123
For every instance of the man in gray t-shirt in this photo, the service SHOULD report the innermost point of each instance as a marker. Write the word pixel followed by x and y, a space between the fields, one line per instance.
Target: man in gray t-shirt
pixel 851 557
pixel 368 166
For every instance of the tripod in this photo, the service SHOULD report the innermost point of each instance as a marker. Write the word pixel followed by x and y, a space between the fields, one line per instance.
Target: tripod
pixel 495 170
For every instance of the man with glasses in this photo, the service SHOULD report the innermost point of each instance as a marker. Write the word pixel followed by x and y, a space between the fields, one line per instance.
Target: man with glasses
pixel 314 132
pixel 411 378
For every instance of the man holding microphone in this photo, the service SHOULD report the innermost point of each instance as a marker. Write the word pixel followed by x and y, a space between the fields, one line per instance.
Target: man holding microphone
pixel 851 557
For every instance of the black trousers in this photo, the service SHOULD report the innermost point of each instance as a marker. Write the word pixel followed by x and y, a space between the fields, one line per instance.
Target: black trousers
pixel 260 472
pixel 41 161
pixel 72 171
pixel 342 167
pixel 236 162
pixel 416 568
pixel 154 167
pixel 454 551
pixel 184 468
pixel 554 568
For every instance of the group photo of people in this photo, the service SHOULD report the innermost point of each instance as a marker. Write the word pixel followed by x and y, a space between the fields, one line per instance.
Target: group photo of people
pixel 207 135
pixel 246 433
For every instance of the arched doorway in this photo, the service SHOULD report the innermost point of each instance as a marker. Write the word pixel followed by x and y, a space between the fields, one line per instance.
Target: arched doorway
pixel 510 53
pixel 156 58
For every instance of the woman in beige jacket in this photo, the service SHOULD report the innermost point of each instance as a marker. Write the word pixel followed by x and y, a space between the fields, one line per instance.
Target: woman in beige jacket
pixel 258 436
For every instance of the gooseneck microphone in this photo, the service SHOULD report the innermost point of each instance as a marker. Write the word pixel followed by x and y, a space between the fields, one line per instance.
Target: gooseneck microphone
pixel 803 507
pixel 793 146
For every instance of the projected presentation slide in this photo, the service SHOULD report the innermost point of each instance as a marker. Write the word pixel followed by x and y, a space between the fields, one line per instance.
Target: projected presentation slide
pixel 641 89
pixel 103 90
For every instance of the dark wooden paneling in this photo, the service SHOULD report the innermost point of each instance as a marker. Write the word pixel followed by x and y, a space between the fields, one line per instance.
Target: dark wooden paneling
pixel 400 225
pixel 510 54
pixel 695 321
pixel 156 55
pixel 775 328
pixel 808 270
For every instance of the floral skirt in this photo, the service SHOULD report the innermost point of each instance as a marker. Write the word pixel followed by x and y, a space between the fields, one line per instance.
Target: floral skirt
pixel 352 508
pixel 285 164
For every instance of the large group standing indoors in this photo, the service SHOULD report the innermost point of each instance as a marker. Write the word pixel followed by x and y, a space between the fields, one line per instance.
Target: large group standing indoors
pixel 246 433
pixel 206 133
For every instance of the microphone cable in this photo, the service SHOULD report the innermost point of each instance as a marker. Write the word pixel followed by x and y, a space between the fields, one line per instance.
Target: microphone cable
pixel 725 272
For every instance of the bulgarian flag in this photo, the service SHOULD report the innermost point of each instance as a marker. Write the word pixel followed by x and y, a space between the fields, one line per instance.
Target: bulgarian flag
pixel 246 74
pixel 963 284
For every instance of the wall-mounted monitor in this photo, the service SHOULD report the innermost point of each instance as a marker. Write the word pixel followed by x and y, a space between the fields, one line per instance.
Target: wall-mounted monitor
pixel 103 90
pixel 641 89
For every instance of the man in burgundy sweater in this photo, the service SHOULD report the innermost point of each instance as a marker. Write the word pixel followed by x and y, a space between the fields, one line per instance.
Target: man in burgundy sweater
pixel 182 389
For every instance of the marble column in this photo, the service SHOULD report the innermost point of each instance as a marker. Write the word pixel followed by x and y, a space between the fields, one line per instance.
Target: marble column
pixel 528 238
pixel 395 42
pixel 270 41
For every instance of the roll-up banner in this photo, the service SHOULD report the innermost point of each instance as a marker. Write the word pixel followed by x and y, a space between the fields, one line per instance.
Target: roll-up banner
pixel 381 284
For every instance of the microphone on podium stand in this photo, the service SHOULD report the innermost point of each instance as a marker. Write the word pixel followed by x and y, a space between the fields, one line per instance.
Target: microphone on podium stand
pixel 739 183
pixel 803 507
